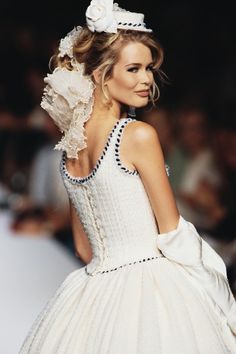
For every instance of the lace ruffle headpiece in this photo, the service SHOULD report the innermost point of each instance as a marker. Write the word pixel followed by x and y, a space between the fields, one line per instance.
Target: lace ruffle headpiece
pixel 68 95
pixel 68 99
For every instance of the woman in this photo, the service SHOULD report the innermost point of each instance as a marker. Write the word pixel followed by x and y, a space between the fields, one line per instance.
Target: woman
pixel 150 283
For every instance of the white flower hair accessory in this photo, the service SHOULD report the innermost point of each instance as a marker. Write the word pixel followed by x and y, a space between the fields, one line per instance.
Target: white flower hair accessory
pixel 104 16
pixel 99 16
pixel 68 99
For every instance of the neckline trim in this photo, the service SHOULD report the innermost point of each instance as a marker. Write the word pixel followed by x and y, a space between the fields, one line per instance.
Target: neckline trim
pixel 78 179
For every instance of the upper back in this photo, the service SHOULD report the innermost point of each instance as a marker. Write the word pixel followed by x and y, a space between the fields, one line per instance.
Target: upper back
pixel 97 145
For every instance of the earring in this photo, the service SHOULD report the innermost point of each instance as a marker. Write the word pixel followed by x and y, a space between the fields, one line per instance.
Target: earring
pixel 131 112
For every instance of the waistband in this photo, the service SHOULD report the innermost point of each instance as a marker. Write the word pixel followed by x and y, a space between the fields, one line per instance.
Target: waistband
pixel 146 259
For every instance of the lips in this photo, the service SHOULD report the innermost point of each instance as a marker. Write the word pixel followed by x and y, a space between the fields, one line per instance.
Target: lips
pixel 144 93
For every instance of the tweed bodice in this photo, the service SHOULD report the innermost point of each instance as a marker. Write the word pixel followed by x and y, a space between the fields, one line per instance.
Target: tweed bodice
pixel 114 208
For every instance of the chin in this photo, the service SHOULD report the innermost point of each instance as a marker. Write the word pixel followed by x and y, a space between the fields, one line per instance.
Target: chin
pixel 140 105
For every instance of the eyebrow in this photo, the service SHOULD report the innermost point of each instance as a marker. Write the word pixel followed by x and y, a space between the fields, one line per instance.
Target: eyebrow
pixel 138 64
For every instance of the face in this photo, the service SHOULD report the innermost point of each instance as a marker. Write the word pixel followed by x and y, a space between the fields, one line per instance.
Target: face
pixel 132 76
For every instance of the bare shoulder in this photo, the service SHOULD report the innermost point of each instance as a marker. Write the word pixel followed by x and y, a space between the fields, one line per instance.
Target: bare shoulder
pixel 141 131
pixel 142 139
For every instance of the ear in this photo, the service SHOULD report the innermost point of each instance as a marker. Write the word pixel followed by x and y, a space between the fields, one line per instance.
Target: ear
pixel 97 75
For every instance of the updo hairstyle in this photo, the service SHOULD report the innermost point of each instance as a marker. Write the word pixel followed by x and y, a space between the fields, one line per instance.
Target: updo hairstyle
pixel 101 51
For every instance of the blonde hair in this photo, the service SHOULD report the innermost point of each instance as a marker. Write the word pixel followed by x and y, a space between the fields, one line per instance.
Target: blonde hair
pixel 101 51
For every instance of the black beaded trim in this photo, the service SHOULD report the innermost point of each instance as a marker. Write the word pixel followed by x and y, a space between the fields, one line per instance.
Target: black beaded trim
pixel 79 180
pixel 117 150
pixel 130 24
pixel 131 263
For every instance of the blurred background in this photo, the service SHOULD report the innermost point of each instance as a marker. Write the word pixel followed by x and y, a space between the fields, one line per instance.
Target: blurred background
pixel 195 119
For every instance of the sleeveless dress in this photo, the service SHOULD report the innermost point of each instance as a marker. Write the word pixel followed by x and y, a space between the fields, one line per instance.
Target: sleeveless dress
pixel 142 292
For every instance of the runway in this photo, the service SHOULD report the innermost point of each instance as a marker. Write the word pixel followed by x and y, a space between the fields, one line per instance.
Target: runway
pixel 31 269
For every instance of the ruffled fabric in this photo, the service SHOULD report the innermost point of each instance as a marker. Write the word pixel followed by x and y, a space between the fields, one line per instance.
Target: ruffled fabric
pixel 68 99
pixel 67 44
pixel 199 260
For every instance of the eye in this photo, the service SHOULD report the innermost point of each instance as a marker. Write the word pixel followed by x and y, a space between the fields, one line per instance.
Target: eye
pixel 133 69
pixel 150 68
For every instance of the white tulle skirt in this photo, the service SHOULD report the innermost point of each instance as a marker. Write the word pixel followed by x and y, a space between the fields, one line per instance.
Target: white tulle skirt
pixel 177 304
pixel 145 308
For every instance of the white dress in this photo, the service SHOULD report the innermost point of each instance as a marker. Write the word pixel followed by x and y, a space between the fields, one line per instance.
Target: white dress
pixel 142 292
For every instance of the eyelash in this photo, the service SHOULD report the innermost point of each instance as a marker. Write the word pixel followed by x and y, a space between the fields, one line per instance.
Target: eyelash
pixel 135 69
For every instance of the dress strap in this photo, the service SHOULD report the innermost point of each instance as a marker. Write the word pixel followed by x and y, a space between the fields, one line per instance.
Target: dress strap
pixel 117 141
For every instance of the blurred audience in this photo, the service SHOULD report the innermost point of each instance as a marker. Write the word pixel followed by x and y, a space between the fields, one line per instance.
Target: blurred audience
pixel 46 188
pixel 31 186
pixel 224 137
pixel 200 170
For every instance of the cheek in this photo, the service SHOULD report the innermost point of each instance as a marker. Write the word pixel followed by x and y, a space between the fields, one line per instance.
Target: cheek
pixel 124 82
pixel 120 87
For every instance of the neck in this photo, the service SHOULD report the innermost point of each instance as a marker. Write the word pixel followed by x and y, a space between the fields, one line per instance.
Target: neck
pixel 102 110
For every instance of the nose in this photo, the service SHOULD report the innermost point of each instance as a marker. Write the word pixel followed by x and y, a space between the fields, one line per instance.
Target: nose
pixel 146 78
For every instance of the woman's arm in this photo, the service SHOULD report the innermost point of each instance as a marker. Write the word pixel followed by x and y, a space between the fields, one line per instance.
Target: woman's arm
pixel 147 157
pixel 81 242
pixel 179 240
